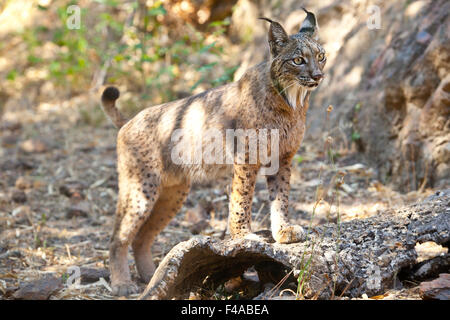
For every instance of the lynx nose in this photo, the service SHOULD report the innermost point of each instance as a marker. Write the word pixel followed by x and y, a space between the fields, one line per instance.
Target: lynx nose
pixel 317 76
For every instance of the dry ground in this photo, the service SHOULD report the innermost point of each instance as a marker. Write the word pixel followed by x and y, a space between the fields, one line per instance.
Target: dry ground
pixel 58 192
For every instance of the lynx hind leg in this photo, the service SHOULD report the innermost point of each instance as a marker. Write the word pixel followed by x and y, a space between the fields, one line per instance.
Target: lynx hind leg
pixel 137 195
pixel 170 201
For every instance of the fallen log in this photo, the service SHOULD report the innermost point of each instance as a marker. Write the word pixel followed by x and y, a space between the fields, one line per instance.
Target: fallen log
pixel 355 257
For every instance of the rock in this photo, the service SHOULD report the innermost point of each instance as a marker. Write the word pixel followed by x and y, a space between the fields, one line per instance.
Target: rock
pixel 33 146
pixel 23 183
pixel 429 250
pixel 438 289
pixel 91 275
pixel 431 267
pixel 423 37
pixel 9 141
pixel 79 209
pixel 370 253
pixel 73 190
pixel 22 214
pixel 18 196
pixel 16 164
pixel 397 82
pixel 8 291
pixel 11 253
pixel 10 126
pixel 40 289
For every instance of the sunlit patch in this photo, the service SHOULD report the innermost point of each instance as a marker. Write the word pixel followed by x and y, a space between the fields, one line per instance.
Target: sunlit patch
pixel 16 16
pixel 194 118
pixel 167 122
pixel 429 250
pixel 354 76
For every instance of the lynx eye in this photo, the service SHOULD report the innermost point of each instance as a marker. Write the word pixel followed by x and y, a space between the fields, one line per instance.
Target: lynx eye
pixel 298 61
pixel 321 56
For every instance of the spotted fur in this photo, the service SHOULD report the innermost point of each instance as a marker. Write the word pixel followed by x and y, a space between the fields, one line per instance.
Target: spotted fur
pixel 152 188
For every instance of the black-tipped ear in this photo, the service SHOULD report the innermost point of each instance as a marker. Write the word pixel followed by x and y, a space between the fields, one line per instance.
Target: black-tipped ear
pixel 278 38
pixel 309 25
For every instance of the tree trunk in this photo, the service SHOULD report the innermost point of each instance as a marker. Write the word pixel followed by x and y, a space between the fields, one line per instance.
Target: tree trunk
pixel 359 256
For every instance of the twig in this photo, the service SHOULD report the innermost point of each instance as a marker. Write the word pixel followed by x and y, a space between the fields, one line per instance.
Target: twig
pixel 346 288
pixel 278 285
pixel 68 251
pixel 259 211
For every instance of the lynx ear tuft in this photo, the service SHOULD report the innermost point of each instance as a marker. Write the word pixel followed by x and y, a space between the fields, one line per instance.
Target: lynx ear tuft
pixel 309 25
pixel 278 38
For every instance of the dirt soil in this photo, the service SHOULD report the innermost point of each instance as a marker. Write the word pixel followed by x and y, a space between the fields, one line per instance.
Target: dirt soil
pixel 58 180
pixel 58 188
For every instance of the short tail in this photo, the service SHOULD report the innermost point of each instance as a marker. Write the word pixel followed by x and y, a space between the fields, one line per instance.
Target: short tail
pixel 109 97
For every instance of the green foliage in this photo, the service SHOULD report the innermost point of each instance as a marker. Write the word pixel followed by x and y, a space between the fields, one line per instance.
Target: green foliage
pixel 136 47
pixel 333 155
pixel 356 135
pixel 64 277
pixel 298 158
pixel 112 3
pixel 226 77
pixel 11 75
pixel 43 219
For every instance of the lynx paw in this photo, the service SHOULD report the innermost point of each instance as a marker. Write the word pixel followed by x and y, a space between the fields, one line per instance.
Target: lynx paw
pixel 247 236
pixel 124 289
pixel 253 236
pixel 290 234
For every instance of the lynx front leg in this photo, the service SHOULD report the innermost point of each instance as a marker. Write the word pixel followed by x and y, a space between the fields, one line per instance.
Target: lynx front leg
pixel 243 186
pixel 282 230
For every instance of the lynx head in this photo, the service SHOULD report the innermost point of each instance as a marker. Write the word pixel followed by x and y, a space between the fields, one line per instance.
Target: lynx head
pixel 297 60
